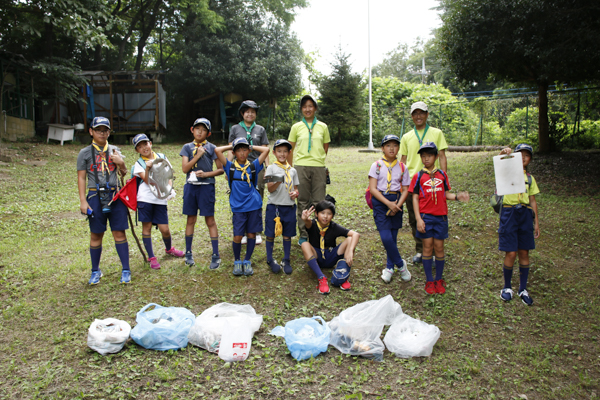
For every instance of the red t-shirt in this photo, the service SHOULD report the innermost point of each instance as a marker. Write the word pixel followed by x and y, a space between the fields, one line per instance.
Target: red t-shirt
pixel 427 196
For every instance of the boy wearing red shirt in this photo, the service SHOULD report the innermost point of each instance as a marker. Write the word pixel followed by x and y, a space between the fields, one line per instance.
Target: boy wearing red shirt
pixel 430 190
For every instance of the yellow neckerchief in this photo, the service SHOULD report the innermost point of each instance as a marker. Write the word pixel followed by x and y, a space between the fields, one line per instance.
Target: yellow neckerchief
pixel 244 170
pixel 196 145
pixel 389 172
pixel 322 232
pixel 288 177
pixel 431 176
pixel 154 156
pixel 103 155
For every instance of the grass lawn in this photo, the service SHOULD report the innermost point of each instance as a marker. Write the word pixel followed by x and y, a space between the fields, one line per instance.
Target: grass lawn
pixel 488 349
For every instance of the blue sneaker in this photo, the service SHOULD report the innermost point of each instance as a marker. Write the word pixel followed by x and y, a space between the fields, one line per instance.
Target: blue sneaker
pixel 506 294
pixel 215 262
pixel 275 268
pixel 189 259
pixel 248 268
pixel 95 278
pixel 126 276
pixel 287 267
pixel 237 268
pixel 524 295
pixel 417 258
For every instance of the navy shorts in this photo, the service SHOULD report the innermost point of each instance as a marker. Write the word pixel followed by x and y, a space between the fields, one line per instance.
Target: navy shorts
pixel 155 213
pixel 117 216
pixel 386 222
pixel 199 197
pixel 287 216
pixel 329 258
pixel 247 222
pixel 516 229
pixel 436 226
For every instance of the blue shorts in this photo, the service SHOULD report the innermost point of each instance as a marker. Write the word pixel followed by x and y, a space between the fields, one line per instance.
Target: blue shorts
pixel 516 229
pixel 247 222
pixel 329 258
pixel 199 197
pixel 385 222
pixel 155 213
pixel 287 215
pixel 117 216
pixel 436 226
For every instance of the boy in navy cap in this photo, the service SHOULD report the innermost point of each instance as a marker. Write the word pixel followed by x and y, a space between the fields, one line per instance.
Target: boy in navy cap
pixel 430 190
pixel 99 163
pixel 197 160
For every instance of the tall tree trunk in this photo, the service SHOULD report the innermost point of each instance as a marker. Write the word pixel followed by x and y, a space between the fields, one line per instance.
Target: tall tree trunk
pixel 339 136
pixel 49 36
pixel 544 126
pixel 146 30
pixel 98 57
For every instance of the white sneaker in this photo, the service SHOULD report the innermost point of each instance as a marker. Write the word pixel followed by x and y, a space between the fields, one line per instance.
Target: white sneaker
pixel 386 275
pixel 258 239
pixel 244 240
pixel 404 272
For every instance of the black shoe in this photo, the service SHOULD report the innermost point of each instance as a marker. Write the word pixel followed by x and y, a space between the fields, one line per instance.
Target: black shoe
pixel 287 267
pixel 418 258
pixel 275 268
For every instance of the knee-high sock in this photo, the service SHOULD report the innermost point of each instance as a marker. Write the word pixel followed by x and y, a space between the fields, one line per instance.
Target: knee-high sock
pixel 314 266
pixel 269 246
pixel 147 239
pixel 215 244
pixel 188 243
pixel 250 243
pixel 523 275
pixel 167 242
pixel 95 253
pixel 508 273
pixel 439 267
pixel 391 248
pixel 123 252
pixel 237 250
pixel 287 246
pixel 428 267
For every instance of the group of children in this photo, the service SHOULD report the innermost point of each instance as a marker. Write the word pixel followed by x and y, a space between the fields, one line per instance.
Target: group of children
pixel 390 186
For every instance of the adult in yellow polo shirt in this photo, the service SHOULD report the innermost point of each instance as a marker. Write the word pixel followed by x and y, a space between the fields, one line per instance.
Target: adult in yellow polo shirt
pixel 409 146
pixel 310 142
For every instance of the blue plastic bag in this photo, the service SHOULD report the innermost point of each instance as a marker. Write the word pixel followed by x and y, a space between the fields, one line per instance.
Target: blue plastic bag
pixel 305 337
pixel 163 328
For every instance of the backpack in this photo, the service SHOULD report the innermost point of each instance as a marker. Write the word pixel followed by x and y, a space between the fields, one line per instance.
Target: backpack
pixel 496 201
pixel 368 195
pixel 143 165
pixel 253 176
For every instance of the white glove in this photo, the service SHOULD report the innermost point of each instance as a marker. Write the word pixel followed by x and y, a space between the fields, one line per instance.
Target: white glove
pixel 172 195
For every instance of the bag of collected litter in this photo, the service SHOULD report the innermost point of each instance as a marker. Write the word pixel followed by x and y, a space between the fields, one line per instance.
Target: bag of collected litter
pixel 236 339
pixel 162 328
pixel 305 337
pixel 210 326
pixel 108 335
pixel 409 337
pixel 357 329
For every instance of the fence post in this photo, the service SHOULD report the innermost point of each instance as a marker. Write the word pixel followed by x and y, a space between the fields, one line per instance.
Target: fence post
pixel 402 129
pixel 526 116
pixel 479 127
pixel 441 115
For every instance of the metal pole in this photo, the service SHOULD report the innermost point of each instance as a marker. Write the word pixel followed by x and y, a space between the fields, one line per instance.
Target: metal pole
pixel 370 147
pixel 526 116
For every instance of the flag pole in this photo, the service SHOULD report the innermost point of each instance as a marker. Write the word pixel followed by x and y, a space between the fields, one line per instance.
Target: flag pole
pixel 370 147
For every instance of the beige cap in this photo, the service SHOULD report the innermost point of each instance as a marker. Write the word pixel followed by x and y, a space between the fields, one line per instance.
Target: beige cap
pixel 419 105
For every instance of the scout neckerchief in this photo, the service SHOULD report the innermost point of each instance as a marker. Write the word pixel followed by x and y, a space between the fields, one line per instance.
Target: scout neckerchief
pixel 389 172
pixel 288 177
pixel 104 156
pixel 432 177
pixel 154 156
pixel 248 131
pixel 244 170
pixel 196 145
pixel 322 232
pixel 420 139
pixel 309 130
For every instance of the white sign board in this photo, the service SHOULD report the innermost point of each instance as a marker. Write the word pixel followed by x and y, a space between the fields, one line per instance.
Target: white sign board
pixel 509 174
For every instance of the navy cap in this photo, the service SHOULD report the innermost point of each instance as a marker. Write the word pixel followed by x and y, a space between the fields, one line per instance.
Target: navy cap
pixel 246 104
pixel 428 145
pixel 282 142
pixel 240 142
pixel 308 97
pixel 388 138
pixel 202 121
pixel 524 146
pixel 141 137
pixel 100 121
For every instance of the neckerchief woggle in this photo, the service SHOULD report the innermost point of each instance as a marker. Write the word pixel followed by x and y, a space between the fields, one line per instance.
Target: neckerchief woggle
pixel 389 172
pixel 244 170
pixel 196 145
pixel 420 139
pixel 322 241
pixel 309 130
pixel 248 131
pixel 288 177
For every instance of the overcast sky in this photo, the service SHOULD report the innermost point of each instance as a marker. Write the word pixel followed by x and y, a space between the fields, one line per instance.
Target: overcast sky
pixel 325 24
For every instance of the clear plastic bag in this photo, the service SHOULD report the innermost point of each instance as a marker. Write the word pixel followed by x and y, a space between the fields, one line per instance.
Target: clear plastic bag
pixel 163 328
pixel 108 335
pixel 305 337
pixel 210 326
pixel 409 337
pixel 357 329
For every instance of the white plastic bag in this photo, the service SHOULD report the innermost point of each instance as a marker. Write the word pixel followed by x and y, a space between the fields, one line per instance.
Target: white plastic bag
pixel 357 329
pixel 215 321
pixel 409 337
pixel 108 335
pixel 236 340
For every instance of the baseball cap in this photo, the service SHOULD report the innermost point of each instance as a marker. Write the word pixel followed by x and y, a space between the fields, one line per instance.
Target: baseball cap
pixel 140 138
pixel 246 104
pixel 524 146
pixel 202 121
pixel 388 138
pixel 100 121
pixel 282 142
pixel 419 105
pixel 240 142
pixel 428 145
pixel 308 97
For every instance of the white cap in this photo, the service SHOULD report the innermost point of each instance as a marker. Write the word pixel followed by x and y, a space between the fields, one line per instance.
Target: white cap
pixel 419 105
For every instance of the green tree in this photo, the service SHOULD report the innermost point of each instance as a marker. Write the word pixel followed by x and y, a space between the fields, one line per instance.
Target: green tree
pixel 341 104
pixel 522 41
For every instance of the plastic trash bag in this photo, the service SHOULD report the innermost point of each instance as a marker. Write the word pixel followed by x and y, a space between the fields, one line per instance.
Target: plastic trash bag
pixel 163 328
pixel 305 337
pixel 210 326
pixel 108 335
pixel 409 337
pixel 357 329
